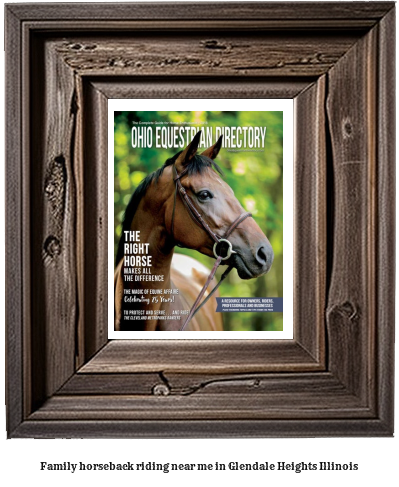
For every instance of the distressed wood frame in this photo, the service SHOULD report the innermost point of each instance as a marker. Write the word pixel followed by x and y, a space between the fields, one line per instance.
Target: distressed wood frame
pixel 336 376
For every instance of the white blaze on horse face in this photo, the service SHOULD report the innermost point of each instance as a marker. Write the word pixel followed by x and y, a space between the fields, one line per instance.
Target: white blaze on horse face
pixel 232 203
pixel 223 208
pixel 216 179
pixel 221 182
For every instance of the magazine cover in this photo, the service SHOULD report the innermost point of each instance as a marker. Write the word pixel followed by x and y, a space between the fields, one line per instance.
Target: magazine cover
pixel 198 221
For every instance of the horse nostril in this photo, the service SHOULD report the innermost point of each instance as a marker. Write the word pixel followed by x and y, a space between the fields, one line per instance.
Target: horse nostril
pixel 264 255
pixel 261 256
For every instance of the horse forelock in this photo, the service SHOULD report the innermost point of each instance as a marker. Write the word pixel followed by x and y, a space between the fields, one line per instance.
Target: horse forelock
pixel 197 164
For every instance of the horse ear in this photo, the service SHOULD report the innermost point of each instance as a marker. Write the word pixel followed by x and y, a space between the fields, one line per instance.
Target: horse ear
pixel 213 151
pixel 189 152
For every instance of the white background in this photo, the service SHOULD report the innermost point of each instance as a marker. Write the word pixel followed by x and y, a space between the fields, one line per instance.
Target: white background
pixel 287 107
pixel 20 459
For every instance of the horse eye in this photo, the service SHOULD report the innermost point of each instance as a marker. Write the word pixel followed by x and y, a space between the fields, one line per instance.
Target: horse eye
pixel 204 195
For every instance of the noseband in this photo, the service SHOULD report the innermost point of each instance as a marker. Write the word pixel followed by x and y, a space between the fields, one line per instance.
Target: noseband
pixel 222 247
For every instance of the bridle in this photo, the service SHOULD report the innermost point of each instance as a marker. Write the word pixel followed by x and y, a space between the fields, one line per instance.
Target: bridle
pixel 222 248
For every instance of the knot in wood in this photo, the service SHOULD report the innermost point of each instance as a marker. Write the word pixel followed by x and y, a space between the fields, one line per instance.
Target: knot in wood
pixel 347 311
pixel 347 128
pixel 213 44
pixel 52 246
pixel 50 189
pixel 161 390
pixel 55 181
pixel 90 47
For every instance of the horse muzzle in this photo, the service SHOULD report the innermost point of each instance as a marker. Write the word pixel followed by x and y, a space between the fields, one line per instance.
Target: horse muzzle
pixel 253 264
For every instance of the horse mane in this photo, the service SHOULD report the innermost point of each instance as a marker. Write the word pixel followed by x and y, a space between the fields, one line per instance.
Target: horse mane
pixel 197 165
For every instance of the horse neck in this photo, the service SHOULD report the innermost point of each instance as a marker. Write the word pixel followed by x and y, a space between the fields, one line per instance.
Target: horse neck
pixel 153 232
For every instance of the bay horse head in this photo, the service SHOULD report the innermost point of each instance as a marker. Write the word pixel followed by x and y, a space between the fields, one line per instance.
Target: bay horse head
pixel 200 178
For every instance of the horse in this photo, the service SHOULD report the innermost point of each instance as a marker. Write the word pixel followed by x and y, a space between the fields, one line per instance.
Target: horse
pixel 184 203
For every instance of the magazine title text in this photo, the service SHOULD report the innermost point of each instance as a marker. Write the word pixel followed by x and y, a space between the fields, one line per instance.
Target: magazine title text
pixel 178 137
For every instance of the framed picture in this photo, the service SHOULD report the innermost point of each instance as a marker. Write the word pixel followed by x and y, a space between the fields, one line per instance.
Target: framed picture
pixel 65 376
pixel 163 245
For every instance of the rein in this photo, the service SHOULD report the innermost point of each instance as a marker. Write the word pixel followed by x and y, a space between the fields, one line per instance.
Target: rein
pixel 222 248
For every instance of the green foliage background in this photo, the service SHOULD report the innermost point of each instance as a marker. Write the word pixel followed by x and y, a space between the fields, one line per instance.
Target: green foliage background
pixel 257 181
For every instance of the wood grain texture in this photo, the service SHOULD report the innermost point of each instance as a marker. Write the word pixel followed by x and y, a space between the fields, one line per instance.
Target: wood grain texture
pixel 310 229
pixel 192 428
pixel 194 87
pixel 240 54
pixel 340 26
pixel 201 356
pixel 78 143
pixel 112 384
pixel 206 407
pixel 335 377
pixel 14 207
pixel 53 212
pixel 95 203
pixel 385 225
pixel 178 396
pixel 185 384
pixel 352 130
pixel 280 11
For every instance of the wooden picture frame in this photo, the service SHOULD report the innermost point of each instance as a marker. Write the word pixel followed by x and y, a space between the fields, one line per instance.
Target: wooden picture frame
pixel 64 379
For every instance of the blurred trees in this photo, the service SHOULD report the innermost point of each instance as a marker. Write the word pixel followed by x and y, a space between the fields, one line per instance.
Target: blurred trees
pixel 255 177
